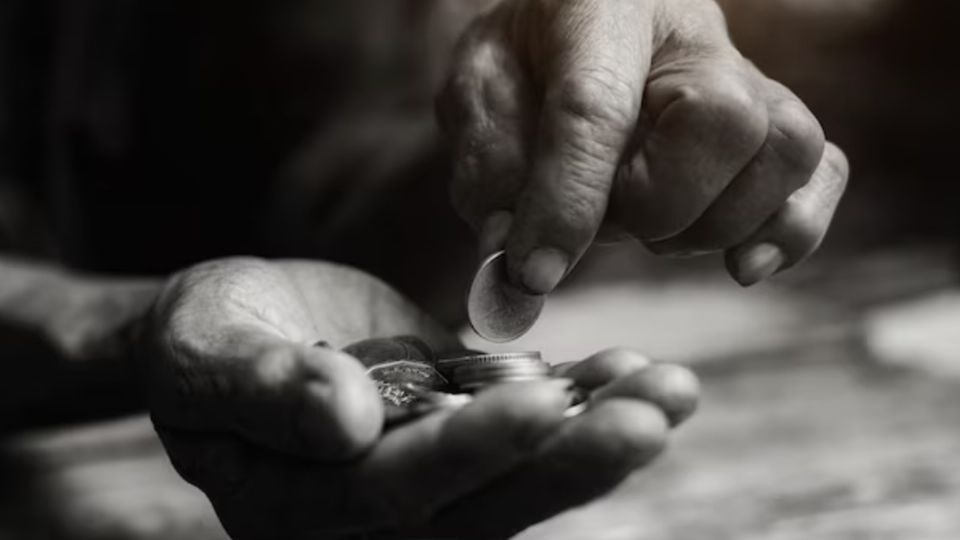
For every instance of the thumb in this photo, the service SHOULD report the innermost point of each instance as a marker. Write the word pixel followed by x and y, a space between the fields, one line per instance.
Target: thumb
pixel 290 397
pixel 598 55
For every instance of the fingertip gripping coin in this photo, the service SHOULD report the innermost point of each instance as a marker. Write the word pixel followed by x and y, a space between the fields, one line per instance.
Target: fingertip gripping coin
pixel 498 310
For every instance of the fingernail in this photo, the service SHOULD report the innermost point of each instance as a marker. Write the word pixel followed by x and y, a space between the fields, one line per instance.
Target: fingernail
pixel 544 269
pixel 759 263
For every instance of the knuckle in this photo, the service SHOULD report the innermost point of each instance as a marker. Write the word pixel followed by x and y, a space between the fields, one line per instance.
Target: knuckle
pixel 727 103
pixel 483 62
pixel 838 164
pixel 802 227
pixel 479 79
pixel 597 98
pixel 457 101
pixel 796 137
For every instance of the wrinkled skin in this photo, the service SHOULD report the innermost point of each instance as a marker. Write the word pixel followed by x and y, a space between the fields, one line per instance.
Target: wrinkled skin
pixel 579 120
pixel 286 438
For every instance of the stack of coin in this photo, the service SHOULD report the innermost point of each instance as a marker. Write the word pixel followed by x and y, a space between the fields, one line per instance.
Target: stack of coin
pixel 475 371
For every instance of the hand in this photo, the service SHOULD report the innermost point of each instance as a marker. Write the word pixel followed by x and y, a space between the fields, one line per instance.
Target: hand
pixel 286 439
pixel 571 118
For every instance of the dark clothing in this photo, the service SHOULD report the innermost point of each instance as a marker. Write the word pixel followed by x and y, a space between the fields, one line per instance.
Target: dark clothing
pixel 156 134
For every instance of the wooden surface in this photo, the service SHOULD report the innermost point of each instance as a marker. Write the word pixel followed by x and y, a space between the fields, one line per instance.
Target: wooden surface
pixel 820 444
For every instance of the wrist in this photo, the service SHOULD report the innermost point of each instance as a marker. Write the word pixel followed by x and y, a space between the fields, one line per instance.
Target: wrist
pixel 98 316
pixel 66 344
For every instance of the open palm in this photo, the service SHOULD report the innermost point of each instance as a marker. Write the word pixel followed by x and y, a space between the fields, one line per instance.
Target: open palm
pixel 287 439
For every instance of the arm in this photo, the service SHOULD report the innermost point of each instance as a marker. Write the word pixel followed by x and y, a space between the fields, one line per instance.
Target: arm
pixel 64 343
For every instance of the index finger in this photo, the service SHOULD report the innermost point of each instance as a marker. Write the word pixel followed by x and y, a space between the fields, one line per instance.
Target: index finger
pixel 597 56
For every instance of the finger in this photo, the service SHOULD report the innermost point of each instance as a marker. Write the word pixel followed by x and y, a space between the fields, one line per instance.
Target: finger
pixel 603 367
pixel 493 235
pixel 286 396
pixel 674 389
pixel 786 162
pixel 797 229
pixel 484 109
pixel 596 62
pixel 589 456
pixel 412 471
pixel 705 119
pixel 415 471
pixel 627 373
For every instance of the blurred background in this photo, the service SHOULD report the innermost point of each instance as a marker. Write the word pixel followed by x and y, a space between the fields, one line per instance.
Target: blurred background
pixel 831 394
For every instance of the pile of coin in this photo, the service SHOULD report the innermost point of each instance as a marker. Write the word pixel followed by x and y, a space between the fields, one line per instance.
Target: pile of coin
pixel 474 371
pixel 411 382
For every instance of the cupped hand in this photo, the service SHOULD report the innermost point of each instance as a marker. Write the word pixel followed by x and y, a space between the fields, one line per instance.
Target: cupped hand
pixel 287 439
pixel 573 120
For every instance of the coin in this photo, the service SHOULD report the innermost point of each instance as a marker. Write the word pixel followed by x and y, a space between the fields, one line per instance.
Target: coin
pixel 499 311
pixel 406 371
pixel 473 380
pixel 449 364
pixel 378 350
pixel 473 372
pixel 393 380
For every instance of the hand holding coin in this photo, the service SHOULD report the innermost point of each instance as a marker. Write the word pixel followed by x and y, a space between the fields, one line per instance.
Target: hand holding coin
pixel 583 119
pixel 498 310
pixel 288 440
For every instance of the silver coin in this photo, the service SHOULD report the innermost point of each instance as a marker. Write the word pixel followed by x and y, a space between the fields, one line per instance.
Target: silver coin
pixel 499 311
pixel 392 378
pixel 472 378
pixel 449 364
pixel 480 385
pixel 407 371
pixel 495 370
